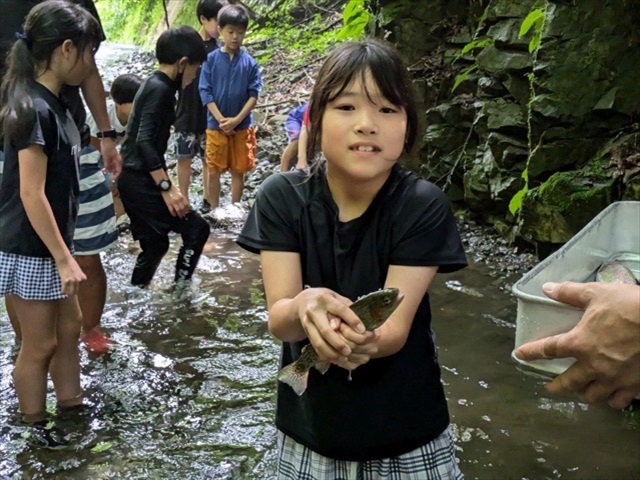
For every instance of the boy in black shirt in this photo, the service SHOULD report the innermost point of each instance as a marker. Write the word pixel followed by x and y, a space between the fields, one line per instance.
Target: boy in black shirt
pixel 154 205
pixel 191 115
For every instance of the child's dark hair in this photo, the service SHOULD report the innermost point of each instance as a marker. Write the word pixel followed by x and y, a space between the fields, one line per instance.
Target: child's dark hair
pixel 46 27
pixel 235 15
pixel 179 42
pixel 124 88
pixel 353 60
pixel 209 8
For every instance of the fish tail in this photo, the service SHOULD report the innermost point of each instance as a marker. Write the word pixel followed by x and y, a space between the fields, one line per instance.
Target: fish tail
pixel 295 378
pixel 322 367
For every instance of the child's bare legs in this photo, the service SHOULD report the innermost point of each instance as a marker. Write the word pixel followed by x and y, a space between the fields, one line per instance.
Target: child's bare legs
pixel 92 294
pixel 205 181
pixel 65 364
pixel 40 342
pixel 184 175
pixel 13 318
pixel 237 186
pixel 214 188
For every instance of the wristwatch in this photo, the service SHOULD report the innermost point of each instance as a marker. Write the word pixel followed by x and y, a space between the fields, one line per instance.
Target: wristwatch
pixel 164 185
pixel 107 134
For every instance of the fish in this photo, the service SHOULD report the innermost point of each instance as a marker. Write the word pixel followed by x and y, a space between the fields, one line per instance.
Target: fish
pixel 612 271
pixel 373 309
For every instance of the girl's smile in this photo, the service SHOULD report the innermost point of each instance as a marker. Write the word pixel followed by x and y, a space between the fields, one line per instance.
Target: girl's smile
pixel 362 132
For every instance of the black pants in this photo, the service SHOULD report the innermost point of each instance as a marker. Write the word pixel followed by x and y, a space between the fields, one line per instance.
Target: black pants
pixel 151 223
pixel 194 233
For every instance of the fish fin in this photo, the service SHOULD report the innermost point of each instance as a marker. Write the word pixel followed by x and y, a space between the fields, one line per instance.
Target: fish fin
pixel 294 378
pixel 322 367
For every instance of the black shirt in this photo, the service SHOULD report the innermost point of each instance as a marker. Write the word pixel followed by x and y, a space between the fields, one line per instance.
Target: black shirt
pixel 191 114
pixel 55 130
pixel 394 404
pixel 12 16
pixel 149 124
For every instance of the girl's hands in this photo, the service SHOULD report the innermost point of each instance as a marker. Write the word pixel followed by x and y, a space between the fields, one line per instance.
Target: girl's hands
pixel 176 203
pixel 363 346
pixel 70 275
pixel 318 308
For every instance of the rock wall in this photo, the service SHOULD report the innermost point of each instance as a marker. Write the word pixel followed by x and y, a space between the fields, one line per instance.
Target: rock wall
pixel 554 127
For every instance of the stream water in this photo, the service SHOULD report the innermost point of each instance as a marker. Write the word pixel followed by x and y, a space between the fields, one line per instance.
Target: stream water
pixel 189 390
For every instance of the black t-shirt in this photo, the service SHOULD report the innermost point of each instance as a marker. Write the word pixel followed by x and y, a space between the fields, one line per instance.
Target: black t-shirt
pixel 55 130
pixel 12 16
pixel 149 124
pixel 394 404
pixel 191 115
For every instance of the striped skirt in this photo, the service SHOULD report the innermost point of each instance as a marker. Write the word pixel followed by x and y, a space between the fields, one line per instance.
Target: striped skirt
pixel 96 224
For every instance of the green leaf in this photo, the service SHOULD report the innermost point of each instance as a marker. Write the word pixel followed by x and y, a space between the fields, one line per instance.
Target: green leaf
pixel 535 17
pixel 516 202
pixel 463 76
pixel 102 447
pixel 480 43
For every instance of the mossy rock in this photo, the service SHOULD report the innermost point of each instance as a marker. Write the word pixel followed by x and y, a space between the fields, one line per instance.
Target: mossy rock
pixel 562 206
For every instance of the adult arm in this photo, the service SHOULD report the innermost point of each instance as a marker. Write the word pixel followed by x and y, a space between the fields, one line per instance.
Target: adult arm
pixel 93 91
pixel 33 173
pixel 605 342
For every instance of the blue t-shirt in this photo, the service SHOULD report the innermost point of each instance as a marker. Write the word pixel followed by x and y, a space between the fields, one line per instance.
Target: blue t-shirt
pixel 229 83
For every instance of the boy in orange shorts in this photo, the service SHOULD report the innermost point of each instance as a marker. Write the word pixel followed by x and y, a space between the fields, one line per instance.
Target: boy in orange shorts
pixel 229 85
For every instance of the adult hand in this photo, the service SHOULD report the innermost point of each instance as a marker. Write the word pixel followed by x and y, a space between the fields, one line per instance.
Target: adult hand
pixel 176 203
pixel 70 275
pixel 318 310
pixel 605 342
pixel 111 157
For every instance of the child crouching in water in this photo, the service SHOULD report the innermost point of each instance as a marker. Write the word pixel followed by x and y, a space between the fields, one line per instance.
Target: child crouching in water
pixel 359 222
pixel 154 204
pixel 38 206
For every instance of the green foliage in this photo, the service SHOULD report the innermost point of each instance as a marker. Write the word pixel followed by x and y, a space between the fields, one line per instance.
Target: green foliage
pixel 130 21
pixel 475 43
pixel 535 20
pixel 516 202
pixel 355 19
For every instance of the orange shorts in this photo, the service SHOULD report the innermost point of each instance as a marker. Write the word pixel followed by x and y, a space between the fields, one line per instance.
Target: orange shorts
pixel 231 152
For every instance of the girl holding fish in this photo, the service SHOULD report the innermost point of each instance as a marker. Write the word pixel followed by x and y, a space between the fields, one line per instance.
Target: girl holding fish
pixel 358 223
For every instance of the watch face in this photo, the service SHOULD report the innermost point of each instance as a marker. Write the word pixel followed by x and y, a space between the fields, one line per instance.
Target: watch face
pixel 164 185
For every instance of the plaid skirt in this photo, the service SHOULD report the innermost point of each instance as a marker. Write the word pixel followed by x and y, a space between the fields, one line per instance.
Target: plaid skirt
pixel 31 278
pixel 433 461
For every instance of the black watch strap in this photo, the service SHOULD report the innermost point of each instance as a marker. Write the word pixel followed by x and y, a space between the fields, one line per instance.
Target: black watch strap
pixel 107 134
pixel 164 185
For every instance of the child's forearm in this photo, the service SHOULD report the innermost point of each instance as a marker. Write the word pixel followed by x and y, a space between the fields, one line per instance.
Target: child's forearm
pixel 40 215
pixel 246 109
pixel 213 109
pixel 284 321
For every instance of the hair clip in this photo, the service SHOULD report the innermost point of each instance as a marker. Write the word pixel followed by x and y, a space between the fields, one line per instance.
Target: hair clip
pixel 23 36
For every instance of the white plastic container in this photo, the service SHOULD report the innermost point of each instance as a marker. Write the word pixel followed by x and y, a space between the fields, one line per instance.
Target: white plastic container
pixel 613 235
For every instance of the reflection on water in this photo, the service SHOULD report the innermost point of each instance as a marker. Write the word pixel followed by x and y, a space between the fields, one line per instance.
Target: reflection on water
pixel 189 391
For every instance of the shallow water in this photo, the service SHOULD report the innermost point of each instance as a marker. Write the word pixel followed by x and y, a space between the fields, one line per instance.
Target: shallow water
pixel 188 392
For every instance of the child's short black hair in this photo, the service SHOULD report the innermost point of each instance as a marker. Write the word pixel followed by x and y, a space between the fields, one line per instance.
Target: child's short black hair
pixel 124 88
pixel 179 42
pixel 235 15
pixel 209 8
